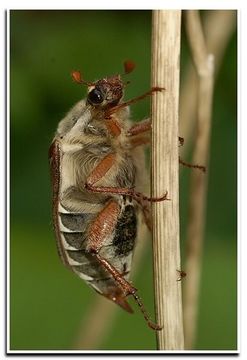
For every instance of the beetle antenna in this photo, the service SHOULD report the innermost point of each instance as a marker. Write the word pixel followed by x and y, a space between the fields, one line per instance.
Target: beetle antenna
pixel 77 77
pixel 129 66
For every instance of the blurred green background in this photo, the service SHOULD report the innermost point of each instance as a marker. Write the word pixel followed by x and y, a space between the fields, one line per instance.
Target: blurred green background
pixel 47 302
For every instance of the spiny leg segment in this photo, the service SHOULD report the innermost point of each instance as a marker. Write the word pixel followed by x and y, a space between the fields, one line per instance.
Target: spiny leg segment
pixel 128 289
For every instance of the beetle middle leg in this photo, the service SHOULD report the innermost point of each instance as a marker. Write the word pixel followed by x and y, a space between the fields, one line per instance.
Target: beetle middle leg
pixel 101 170
pixel 194 166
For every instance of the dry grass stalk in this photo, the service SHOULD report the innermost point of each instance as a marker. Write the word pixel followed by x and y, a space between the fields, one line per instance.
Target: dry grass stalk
pixel 219 26
pixel 165 73
pixel 204 63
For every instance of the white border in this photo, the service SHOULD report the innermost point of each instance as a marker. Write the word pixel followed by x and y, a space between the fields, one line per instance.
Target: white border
pixel 241 143
pixel 8 179
pixel 121 4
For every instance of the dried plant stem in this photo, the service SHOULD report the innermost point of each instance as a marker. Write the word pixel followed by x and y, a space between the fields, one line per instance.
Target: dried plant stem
pixel 166 249
pixel 219 26
pixel 204 64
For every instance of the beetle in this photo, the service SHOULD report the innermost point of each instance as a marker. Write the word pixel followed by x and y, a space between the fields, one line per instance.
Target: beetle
pixel 95 165
pixel 96 162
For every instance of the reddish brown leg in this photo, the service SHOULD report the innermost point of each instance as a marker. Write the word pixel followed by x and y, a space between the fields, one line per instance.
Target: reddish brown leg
pixel 139 197
pixel 128 289
pixel 139 128
pixel 132 101
pixel 100 171
pixel 145 126
pixel 199 167
pixel 137 133
pixel 113 126
pixel 103 225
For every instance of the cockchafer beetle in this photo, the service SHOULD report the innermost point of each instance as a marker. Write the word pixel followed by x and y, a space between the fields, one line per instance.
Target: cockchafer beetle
pixel 95 161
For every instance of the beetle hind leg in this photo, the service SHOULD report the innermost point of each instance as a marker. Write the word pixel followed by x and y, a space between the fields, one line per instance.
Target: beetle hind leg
pixel 128 289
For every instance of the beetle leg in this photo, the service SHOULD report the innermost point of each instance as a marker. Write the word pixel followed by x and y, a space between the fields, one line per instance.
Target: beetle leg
pixel 132 101
pixel 100 171
pixel 137 133
pixel 139 197
pixel 113 126
pixel 140 127
pixel 145 126
pixel 103 225
pixel 100 228
pixel 128 289
pixel 199 167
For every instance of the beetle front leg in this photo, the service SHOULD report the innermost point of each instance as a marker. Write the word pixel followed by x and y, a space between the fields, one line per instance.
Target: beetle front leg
pixel 132 101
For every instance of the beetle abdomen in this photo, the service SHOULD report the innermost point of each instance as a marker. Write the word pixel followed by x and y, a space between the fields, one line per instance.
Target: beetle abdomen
pixel 117 248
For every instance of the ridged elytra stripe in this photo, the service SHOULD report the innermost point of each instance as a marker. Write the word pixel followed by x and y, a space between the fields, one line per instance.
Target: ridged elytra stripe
pixel 54 159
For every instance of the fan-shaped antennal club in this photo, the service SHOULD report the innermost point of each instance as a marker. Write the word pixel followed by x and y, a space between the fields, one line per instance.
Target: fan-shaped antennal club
pixel 77 77
pixel 129 66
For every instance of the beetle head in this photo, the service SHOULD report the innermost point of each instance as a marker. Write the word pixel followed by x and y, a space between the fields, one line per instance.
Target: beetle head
pixel 107 92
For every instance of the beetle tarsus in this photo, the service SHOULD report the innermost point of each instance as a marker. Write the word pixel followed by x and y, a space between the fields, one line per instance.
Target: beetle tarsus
pixel 150 323
pixel 154 326
pixel 194 166
pixel 182 274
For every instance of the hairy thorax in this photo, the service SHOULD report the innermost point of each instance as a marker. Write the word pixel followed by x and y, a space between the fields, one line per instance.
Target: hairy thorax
pixel 83 150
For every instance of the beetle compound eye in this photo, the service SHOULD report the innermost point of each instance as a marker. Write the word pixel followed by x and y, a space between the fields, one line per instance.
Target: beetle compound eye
pixel 95 96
